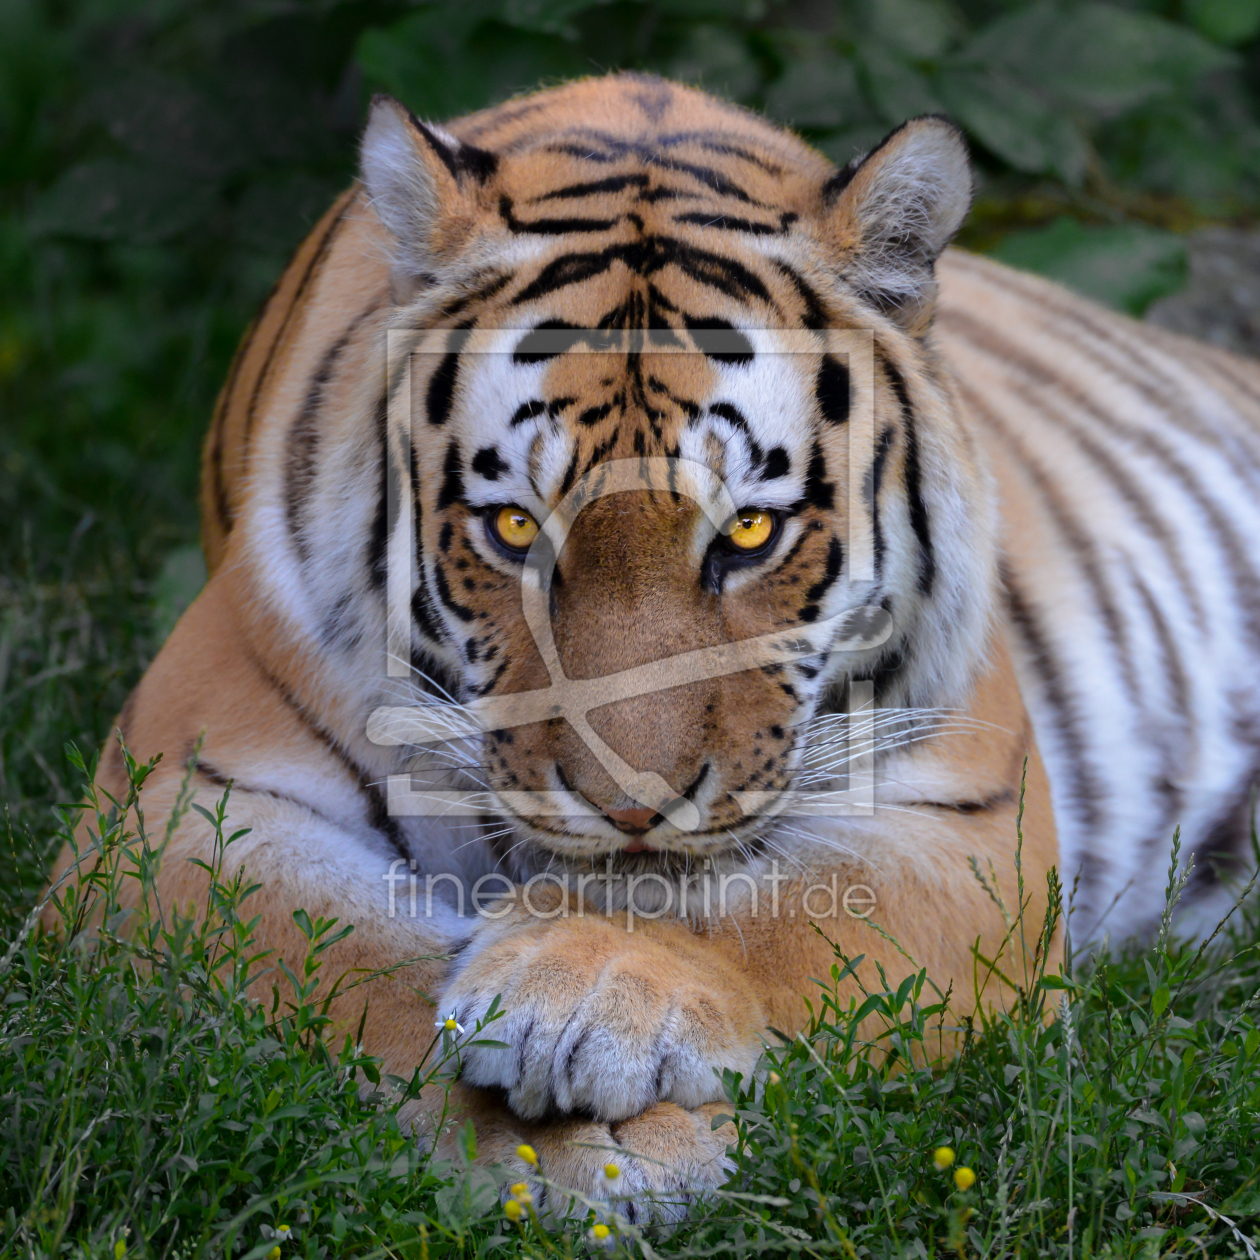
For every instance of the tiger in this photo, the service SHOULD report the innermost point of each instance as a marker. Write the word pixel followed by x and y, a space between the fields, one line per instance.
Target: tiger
pixel 613 499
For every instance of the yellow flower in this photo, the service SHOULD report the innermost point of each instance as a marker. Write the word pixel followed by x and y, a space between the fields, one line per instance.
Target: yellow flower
pixel 528 1154
pixel 520 1190
pixel 964 1178
pixel 274 1254
pixel 943 1157
pixel 120 1249
pixel 601 1231
pixel 774 1078
pixel 513 1210
pixel 612 1172
pixel 450 1025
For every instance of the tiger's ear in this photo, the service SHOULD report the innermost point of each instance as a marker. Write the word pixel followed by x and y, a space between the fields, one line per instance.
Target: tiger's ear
pixel 423 185
pixel 893 211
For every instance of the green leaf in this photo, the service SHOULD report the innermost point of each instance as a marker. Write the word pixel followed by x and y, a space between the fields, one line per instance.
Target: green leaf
pixel 1226 21
pixel 899 90
pixel 1159 999
pixel 1127 266
pixel 1018 125
pixel 443 62
pixel 1094 56
pixel 163 120
pixel 472 1195
pixel 1243 1203
pixel 820 91
pixel 717 59
pixel 109 199
pixel 915 29
pixel 548 16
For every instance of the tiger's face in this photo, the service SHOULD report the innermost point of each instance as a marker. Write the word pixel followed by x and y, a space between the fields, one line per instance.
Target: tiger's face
pixel 627 506
pixel 644 575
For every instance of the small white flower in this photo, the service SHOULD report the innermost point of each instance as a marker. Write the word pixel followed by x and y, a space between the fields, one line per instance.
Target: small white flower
pixel 449 1024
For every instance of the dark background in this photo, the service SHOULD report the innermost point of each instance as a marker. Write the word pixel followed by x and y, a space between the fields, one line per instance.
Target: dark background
pixel 159 158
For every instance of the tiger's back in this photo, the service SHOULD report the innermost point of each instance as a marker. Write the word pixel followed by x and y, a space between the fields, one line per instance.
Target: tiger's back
pixel 1128 461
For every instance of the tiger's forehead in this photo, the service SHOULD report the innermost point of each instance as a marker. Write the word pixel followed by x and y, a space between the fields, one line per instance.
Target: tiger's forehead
pixel 539 409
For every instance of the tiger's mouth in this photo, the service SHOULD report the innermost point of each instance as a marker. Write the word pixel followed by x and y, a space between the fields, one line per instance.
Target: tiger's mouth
pixel 658 847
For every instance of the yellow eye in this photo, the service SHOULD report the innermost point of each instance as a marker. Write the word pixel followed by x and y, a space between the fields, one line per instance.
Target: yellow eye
pixel 515 528
pixel 751 529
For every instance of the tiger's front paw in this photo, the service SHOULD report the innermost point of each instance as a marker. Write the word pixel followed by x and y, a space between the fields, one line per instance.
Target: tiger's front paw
pixel 601 1020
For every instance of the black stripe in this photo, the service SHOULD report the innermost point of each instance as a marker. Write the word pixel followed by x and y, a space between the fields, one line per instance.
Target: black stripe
pixel 312 267
pixel 444 594
pixel 463 159
pixel 814 596
pixel 730 412
pixel 387 499
pixel 883 446
pixel 1248 387
pixel 1226 846
pixel 222 508
pixel 815 316
pixel 1041 385
pixel 645 258
pixel 488 463
pixel 1082 545
pixel 484 293
pixel 440 396
pixel 719 339
pixel 378 812
pixel 562 272
pixel 570 475
pixel 614 183
pixel 494 681
pixel 593 415
pixel 423 612
pixel 710 178
pixel 304 434
pixel 914 483
pixel 705 141
pixel 550 227
pixel 819 493
pixel 777 464
pixel 220 780
pixel 452 490
pixel 833 390
pixel 1086 329
pixel 1174 742
pixel 730 223
pixel 537 346
pixel 528 411
pixel 1085 793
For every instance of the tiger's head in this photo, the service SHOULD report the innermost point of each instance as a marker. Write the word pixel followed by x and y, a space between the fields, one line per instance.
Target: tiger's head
pixel 676 395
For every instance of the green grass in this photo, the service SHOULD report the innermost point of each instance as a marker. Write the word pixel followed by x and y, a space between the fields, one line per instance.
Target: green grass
pixel 149 1107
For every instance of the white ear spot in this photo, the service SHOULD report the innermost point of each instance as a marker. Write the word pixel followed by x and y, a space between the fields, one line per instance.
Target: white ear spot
pixel 414 173
pixel 400 186
pixel 901 205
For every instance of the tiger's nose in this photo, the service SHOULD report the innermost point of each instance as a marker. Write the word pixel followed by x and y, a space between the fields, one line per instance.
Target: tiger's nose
pixel 630 819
